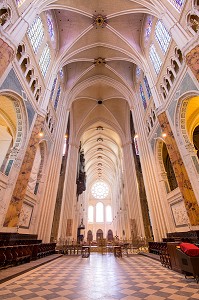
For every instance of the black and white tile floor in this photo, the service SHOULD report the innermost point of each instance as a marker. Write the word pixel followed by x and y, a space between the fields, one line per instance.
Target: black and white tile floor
pixel 100 277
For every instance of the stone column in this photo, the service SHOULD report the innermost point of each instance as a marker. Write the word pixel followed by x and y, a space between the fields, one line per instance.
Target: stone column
pixel 14 209
pixel 192 59
pixel 6 56
pixel 66 225
pixel 182 178
pixel 131 184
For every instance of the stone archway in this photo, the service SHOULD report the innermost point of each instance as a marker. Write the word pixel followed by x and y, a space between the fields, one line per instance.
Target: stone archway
pixel 99 235
pixel 13 122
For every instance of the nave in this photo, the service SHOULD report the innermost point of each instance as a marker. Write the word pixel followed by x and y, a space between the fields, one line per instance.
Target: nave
pixel 100 277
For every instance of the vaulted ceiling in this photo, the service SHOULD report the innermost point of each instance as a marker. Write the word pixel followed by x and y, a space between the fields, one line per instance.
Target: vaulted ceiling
pixel 100 43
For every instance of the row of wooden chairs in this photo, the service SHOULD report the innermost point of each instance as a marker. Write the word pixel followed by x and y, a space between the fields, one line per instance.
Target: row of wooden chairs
pixel 19 242
pixel 156 247
pixel 18 254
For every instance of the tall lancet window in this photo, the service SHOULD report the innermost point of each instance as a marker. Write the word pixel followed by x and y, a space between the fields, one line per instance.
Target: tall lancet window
pixel 57 97
pixel 143 96
pixel 177 4
pixel 99 212
pixel 53 88
pixel 36 34
pixel 155 59
pixel 44 61
pixel 148 27
pixel 20 2
pixel 147 87
pixel 50 27
pixel 109 214
pixel 90 214
pixel 162 36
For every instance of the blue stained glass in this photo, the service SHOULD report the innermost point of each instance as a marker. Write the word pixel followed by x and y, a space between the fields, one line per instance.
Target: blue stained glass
pixel 177 4
pixel 148 27
pixel 147 87
pixel 61 73
pixel 155 59
pixel 36 33
pixel 162 36
pixel 143 96
pixel 138 71
pixel 50 27
pixel 20 2
pixel 57 97
pixel 53 88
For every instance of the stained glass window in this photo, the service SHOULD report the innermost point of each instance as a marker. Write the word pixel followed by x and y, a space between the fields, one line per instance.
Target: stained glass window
pixel 162 36
pixel 100 190
pixel 57 97
pixel 50 27
pixel 143 96
pixel 44 61
pixel 61 73
pixel 20 2
pixel 109 218
pixel 148 27
pixel 90 214
pixel 99 212
pixel 147 87
pixel 137 71
pixel 177 4
pixel 155 59
pixel 53 88
pixel 36 33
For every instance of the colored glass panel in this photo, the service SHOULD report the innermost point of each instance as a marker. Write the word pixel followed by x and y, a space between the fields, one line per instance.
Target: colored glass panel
pixel 177 4
pixel 147 87
pixel 53 88
pixel 36 34
pixel 20 2
pixel 50 27
pixel 143 96
pixel 44 61
pixel 162 36
pixel 57 97
pixel 155 59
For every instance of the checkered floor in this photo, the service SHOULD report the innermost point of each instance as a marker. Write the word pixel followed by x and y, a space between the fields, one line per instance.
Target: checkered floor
pixel 100 277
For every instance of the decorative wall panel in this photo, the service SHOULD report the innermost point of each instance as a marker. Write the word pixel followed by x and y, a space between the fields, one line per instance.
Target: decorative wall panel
pixel 192 59
pixel 14 209
pixel 182 178
pixel 179 214
pixel 25 215
pixel 6 56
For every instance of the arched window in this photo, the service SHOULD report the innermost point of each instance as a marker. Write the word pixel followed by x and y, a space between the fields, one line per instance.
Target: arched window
pixel 90 214
pixel 99 212
pixel 177 4
pixel 109 218
pixel 143 97
pixel 155 59
pixel 137 71
pixel 20 2
pixel 36 34
pixel 61 73
pixel 50 27
pixel 162 36
pixel 53 88
pixel 57 97
pixel 44 61
pixel 148 27
pixel 147 87
pixel 100 189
